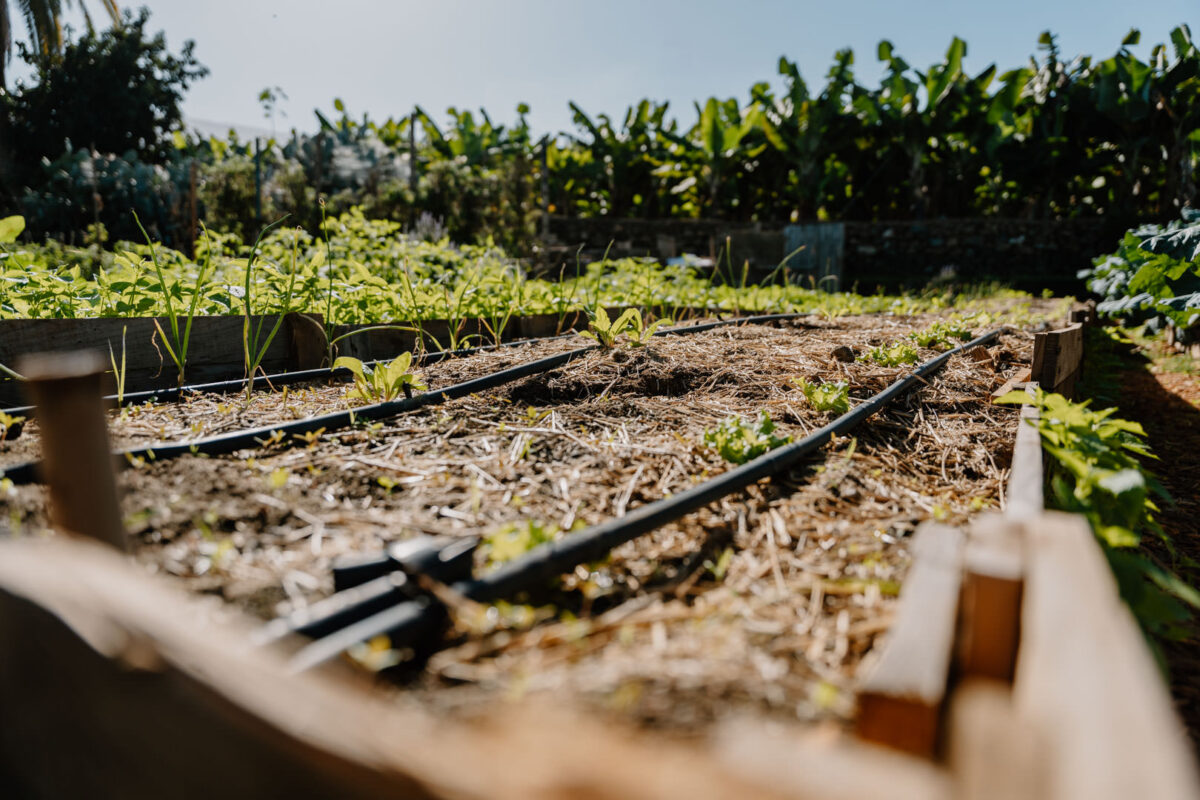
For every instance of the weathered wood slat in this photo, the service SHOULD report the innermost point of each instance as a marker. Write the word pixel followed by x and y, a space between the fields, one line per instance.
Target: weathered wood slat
pixel 991 754
pixel 990 614
pixel 1058 358
pixel 900 698
pixel 115 685
pixel 1087 681
pixel 1025 497
pixel 215 350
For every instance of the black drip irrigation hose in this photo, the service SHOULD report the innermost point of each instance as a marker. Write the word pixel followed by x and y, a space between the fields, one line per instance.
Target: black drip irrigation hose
pixel 405 623
pixel 292 432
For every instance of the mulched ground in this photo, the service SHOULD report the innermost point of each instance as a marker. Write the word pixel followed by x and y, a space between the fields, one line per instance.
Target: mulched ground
pixel 1168 406
pixel 763 602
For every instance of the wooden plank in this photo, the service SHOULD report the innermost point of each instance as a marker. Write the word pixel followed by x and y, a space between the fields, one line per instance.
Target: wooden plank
pixel 1058 359
pixel 1017 381
pixel 1087 681
pixel 824 765
pixel 214 351
pixel 116 685
pixel 900 698
pixel 990 607
pixel 1025 497
pixel 992 753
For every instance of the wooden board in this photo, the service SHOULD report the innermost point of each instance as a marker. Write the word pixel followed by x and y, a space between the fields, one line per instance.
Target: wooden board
pixel 215 349
pixel 1058 359
pixel 114 684
pixel 1087 682
pixel 900 697
pixel 993 755
pixel 990 606
pixel 1025 495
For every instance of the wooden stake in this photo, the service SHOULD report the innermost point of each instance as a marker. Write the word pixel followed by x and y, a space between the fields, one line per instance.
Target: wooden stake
pixel 76 457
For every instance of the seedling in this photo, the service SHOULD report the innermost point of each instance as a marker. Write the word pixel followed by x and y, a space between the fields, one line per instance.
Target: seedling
pixel 739 441
pixel 827 397
pixel 941 334
pixel 10 426
pixel 894 355
pixel 630 323
pixel 383 382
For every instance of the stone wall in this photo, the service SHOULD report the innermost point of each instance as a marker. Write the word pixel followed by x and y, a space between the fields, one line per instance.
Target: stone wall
pixel 1023 253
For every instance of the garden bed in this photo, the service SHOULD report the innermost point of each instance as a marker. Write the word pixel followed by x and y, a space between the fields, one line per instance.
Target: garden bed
pixel 765 601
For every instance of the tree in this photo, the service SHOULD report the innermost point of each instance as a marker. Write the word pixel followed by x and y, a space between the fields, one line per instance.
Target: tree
pixel 115 92
pixel 43 23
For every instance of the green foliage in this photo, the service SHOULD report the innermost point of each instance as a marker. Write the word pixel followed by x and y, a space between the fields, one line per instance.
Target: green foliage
pixel 942 334
pixel 10 229
pixel 739 441
pixel 10 425
pixel 829 397
pixel 1097 471
pixel 892 355
pixel 1154 275
pixel 123 89
pixel 630 324
pixel 382 382
pixel 514 539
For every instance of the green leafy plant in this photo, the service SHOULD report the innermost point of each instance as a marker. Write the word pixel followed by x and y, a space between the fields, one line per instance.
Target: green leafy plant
pixel 893 355
pixel 942 333
pixel 739 441
pixel 1096 471
pixel 630 323
pixel 177 344
pixel 383 382
pixel 831 397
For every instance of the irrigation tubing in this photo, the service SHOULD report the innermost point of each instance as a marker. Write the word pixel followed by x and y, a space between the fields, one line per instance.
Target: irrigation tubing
pixel 406 622
pixel 292 432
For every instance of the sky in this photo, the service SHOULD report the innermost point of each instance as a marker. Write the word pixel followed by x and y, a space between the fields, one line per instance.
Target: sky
pixel 383 57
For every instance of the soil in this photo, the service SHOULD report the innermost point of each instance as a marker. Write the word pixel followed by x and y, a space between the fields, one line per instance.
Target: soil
pixel 764 602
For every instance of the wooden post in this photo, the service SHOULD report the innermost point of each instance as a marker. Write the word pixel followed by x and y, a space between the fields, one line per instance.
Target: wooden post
pixel 990 606
pixel 77 459
pixel 1057 358
pixel 900 700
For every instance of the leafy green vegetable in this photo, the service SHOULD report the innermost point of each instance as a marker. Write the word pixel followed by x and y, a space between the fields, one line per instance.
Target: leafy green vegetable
pixel 382 382
pixel 893 355
pixel 1097 471
pixel 833 397
pixel 739 441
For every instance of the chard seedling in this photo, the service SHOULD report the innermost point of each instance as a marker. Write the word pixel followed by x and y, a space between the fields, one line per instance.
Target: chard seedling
pixel 383 382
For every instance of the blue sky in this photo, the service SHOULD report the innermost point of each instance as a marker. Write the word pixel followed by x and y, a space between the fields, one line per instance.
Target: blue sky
pixel 384 56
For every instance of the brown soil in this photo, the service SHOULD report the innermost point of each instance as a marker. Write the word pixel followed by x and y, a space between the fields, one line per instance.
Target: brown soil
pixel 765 601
